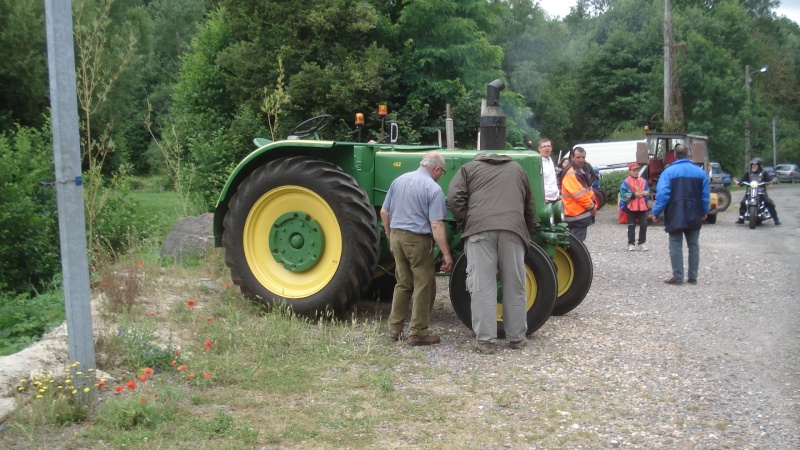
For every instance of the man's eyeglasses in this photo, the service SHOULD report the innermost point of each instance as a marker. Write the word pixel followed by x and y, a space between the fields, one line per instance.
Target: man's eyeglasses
pixel 444 172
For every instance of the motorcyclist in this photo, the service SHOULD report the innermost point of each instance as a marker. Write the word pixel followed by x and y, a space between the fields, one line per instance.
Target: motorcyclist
pixel 757 174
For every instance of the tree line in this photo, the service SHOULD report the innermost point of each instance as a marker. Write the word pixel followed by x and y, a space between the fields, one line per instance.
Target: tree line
pixel 180 87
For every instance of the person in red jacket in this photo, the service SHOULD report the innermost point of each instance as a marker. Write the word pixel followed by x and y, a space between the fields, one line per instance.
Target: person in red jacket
pixel 580 207
pixel 633 194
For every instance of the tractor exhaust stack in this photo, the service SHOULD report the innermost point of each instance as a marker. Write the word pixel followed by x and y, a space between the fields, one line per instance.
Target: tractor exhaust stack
pixel 493 119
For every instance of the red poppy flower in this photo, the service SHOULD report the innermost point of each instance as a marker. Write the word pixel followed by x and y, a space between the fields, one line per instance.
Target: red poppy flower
pixel 130 384
pixel 118 389
pixel 190 376
pixel 181 367
pixel 209 320
pixel 227 285
pixel 143 400
pixel 101 383
pixel 104 283
pixel 143 377
pixel 208 345
pixel 190 303
pixel 177 352
pixel 155 395
pixel 153 313
pixel 141 263
pixel 173 363
pixel 148 371
pixel 207 375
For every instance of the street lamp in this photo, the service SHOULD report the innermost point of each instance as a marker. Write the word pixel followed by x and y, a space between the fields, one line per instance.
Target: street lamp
pixel 747 80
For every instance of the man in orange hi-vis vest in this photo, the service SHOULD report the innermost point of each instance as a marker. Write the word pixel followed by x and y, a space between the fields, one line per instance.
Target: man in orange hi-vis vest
pixel 580 206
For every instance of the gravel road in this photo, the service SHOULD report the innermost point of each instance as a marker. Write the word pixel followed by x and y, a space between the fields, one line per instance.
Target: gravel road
pixel 642 364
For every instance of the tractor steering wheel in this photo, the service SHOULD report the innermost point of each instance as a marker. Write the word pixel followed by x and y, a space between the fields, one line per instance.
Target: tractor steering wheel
pixel 311 126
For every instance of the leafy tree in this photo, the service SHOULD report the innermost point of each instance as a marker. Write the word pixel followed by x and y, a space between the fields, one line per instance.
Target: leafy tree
pixel 29 252
pixel 23 71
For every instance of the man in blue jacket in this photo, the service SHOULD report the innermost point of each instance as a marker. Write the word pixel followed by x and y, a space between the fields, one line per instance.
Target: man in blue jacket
pixel 683 194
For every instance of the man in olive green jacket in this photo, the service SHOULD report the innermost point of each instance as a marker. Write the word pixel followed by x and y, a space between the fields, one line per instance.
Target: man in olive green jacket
pixel 491 199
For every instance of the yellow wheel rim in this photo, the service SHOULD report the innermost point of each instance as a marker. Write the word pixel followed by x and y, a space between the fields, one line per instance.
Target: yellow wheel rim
pixel 271 273
pixel 530 293
pixel 565 271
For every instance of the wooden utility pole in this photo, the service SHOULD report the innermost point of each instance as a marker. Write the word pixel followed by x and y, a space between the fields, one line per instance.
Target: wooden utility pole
pixel 667 63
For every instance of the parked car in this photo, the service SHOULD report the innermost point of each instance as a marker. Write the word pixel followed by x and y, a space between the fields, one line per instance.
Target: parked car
pixel 718 176
pixel 788 172
pixel 769 170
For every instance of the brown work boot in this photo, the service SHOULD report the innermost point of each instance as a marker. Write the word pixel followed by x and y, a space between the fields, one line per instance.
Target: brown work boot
pixel 485 347
pixel 423 340
pixel 516 345
pixel 395 335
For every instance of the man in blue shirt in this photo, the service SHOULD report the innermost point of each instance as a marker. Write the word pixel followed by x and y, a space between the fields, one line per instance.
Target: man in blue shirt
pixel 683 194
pixel 413 216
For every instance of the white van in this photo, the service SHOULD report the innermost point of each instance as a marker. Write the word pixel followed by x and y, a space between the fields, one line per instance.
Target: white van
pixel 611 156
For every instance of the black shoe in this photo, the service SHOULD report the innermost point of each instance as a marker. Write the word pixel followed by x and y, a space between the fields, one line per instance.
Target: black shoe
pixel 740 221
pixel 777 222
pixel 692 281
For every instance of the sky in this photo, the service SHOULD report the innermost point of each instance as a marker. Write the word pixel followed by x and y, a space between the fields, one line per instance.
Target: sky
pixel 560 8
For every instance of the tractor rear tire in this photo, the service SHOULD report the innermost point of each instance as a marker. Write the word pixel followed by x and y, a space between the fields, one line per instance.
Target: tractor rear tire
pixel 575 272
pixel 302 232
pixel 540 288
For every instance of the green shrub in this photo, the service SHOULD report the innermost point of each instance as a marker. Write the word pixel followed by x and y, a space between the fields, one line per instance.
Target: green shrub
pixel 29 250
pixel 610 184
pixel 141 348
pixel 23 318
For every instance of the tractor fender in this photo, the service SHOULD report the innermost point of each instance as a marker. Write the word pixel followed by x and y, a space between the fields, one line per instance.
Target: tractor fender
pixel 266 152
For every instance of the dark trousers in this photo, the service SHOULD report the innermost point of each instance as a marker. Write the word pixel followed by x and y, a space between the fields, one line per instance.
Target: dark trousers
pixel 633 218
pixel 767 202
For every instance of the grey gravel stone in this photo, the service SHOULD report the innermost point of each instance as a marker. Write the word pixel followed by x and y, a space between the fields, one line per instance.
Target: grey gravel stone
pixel 642 364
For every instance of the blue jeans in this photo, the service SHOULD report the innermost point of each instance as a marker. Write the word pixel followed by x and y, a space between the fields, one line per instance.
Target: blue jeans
pixel 676 252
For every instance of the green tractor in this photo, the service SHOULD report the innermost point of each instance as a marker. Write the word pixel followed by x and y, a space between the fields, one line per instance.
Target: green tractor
pixel 299 222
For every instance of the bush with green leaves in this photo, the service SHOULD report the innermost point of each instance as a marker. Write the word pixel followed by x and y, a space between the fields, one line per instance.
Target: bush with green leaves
pixel 610 184
pixel 23 318
pixel 29 249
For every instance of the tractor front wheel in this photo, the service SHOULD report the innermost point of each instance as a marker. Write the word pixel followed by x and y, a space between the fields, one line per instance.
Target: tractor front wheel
pixel 540 290
pixel 302 232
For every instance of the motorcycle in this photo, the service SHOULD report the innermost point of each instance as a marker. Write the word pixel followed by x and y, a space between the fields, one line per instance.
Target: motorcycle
pixel 757 211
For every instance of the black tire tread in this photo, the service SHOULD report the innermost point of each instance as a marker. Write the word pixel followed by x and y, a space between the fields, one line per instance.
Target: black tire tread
pixel 355 215
pixel 584 274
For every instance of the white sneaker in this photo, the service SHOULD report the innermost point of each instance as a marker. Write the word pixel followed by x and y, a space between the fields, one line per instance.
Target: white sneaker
pixel 631 248
pixel 643 248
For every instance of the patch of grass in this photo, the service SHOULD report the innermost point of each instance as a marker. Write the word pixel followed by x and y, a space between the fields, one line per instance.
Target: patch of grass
pixel 160 209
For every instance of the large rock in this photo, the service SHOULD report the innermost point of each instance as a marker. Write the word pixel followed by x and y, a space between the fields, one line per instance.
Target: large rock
pixel 190 235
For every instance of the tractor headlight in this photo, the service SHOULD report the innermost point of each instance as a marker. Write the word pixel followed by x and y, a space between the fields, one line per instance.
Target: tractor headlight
pixel 558 212
pixel 550 214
